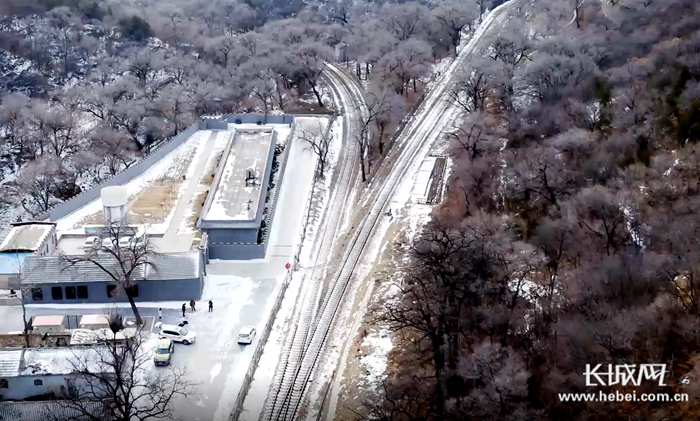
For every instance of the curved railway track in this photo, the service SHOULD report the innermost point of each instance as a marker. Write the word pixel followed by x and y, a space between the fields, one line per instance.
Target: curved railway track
pixel 349 96
pixel 312 329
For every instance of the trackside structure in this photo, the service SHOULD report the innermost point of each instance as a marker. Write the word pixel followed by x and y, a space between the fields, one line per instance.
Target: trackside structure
pixel 239 211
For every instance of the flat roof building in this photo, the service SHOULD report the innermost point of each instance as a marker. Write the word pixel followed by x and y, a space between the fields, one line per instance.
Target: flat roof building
pixel 31 372
pixel 238 212
pixel 24 239
pixel 173 277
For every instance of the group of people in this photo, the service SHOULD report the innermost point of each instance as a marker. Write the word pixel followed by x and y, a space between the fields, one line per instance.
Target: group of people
pixel 184 308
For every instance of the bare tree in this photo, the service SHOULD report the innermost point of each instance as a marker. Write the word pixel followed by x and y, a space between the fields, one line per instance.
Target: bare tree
pixel 453 16
pixel 123 264
pixel 318 140
pixel 118 372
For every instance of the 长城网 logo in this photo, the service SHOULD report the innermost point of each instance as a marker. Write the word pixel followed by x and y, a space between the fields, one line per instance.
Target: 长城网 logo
pixel 624 374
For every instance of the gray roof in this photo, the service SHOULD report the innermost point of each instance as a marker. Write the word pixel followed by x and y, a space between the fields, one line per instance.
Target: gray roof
pixel 26 237
pixel 51 410
pixel 9 363
pixel 54 269
pixel 229 224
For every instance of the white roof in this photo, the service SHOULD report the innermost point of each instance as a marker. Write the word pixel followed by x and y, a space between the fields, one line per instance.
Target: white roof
pixel 114 196
pixel 247 329
pixel 94 319
pixel 9 363
pixel 47 321
pixel 47 361
pixel 88 336
pixel 26 237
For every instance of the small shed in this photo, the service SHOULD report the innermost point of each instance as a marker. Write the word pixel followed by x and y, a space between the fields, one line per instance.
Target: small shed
pixel 94 322
pixel 48 324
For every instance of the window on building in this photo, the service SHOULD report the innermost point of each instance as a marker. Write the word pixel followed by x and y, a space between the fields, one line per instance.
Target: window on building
pixel 3 384
pixel 37 294
pixel 134 290
pixel 70 293
pixel 82 292
pixel 38 383
pixel 111 290
pixel 57 293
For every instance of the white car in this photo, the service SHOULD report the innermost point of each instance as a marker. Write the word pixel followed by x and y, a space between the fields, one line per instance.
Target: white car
pixel 177 334
pixel 139 240
pixel 125 242
pixel 108 243
pixel 91 243
pixel 246 335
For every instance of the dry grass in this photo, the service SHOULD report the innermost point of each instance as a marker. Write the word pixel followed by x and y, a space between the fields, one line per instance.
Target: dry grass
pixel 210 172
pixel 154 203
pixel 198 200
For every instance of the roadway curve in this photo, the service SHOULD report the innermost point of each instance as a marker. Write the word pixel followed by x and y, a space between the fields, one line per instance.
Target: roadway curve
pixel 312 331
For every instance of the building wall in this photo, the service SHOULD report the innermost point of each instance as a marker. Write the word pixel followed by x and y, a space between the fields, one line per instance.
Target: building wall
pixel 237 251
pixel 245 236
pixel 176 290
pixel 23 387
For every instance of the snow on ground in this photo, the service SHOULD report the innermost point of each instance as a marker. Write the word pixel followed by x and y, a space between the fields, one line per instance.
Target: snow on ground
pixel 159 170
pixel 376 362
pixel 264 373
pixel 267 365
pixel 349 318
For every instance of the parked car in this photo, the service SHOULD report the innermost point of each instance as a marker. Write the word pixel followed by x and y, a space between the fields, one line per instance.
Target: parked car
pixel 246 335
pixel 163 352
pixel 177 334
pixel 139 240
pixel 125 242
pixel 108 243
pixel 91 243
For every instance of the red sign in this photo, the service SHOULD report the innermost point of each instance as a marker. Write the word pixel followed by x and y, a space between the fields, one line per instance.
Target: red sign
pixel 287 266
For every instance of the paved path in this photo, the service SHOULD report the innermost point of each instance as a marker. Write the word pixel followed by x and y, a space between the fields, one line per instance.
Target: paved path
pixel 171 236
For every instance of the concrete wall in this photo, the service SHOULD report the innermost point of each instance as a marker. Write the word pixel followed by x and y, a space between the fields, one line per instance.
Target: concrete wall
pixel 238 251
pixel 23 387
pixel 36 339
pixel 176 290
pixel 228 236
pixel 265 181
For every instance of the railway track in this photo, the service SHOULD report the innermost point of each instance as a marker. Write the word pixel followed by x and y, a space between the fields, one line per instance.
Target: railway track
pixel 311 332
pixel 350 97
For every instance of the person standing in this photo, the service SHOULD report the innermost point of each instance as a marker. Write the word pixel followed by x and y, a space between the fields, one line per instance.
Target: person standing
pixel 184 307
pixel 192 303
pixel 211 306
pixel 160 314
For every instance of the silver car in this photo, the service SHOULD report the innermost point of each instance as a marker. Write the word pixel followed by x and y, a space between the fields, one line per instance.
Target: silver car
pixel 246 335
